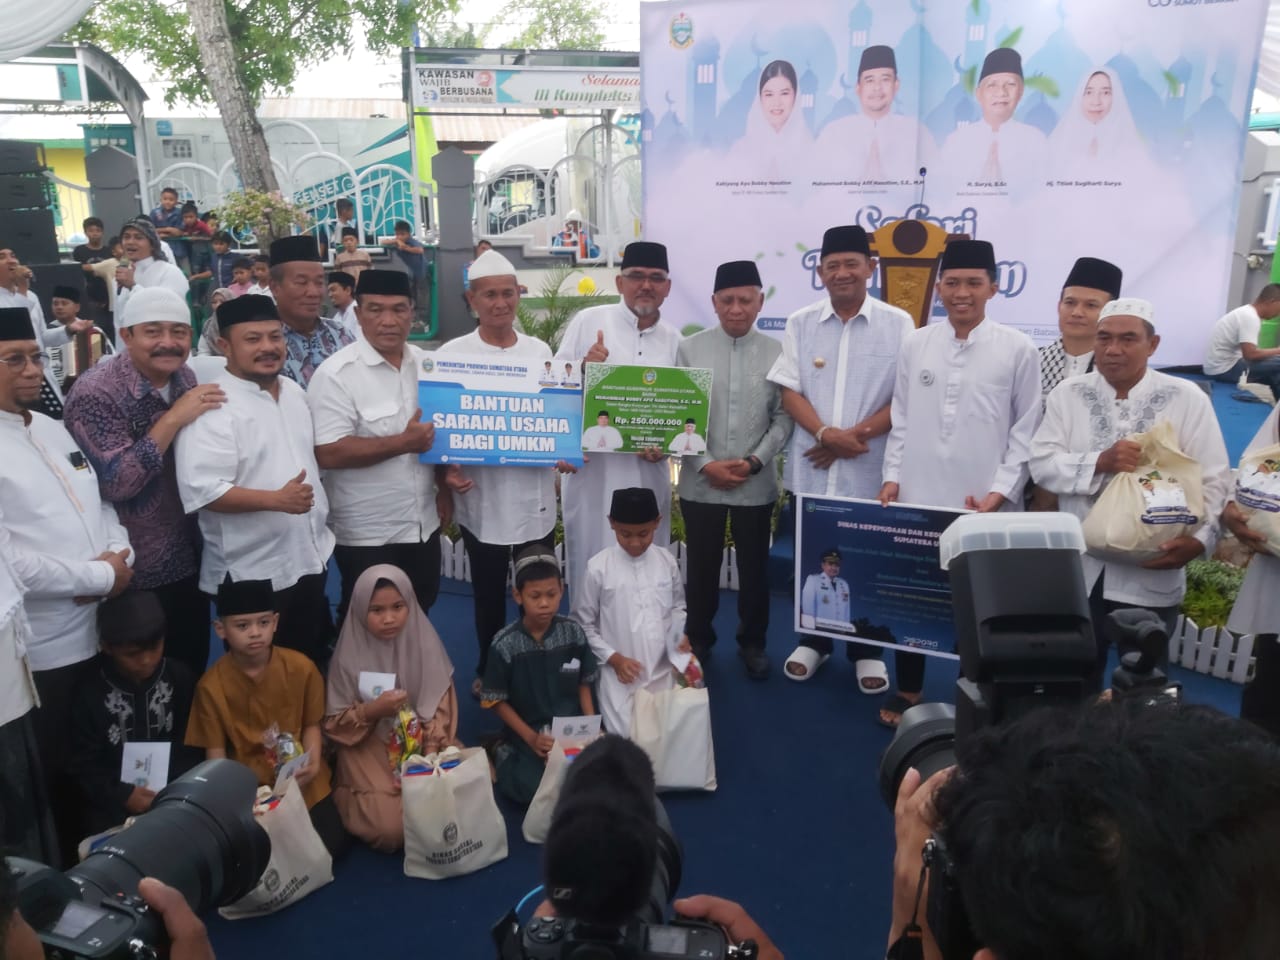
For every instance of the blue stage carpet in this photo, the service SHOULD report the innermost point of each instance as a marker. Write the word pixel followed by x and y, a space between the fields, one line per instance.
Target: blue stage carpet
pixel 797 831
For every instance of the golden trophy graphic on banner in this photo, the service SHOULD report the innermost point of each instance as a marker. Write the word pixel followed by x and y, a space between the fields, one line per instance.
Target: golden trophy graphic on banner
pixel 908 251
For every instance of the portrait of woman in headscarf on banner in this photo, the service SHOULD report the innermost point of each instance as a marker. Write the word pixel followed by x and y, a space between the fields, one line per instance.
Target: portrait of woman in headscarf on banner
pixel 776 132
pixel 1097 133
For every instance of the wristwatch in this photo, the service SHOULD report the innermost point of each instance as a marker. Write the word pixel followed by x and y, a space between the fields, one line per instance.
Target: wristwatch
pixel 756 464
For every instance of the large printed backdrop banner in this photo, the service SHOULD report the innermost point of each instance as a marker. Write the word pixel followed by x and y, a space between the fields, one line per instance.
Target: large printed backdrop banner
pixel 1123 139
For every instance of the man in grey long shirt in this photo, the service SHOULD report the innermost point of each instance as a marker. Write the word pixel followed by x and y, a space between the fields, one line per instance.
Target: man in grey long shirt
pixel 737 477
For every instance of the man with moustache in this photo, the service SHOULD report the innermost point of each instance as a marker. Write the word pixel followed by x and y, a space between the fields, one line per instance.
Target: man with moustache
pixel 630 332
pixel 249 468
pixel 501 510
pixel 146 264
pixel 966 401
pixel 997 150
pixel 66 545
pixel 836 373
pixel 298 287
pixel 369 431
pixel 125 414
pixel 1082 445
pixel 735 478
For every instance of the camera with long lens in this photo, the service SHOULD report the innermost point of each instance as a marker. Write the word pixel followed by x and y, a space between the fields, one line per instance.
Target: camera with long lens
pixel 607 908
pixel 1025 640
pixel 199 837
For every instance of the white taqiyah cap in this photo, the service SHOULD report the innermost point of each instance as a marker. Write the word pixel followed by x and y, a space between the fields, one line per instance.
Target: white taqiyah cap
pixel 1129 307
pixel 490 264
pixel 154 305
pixel 573 216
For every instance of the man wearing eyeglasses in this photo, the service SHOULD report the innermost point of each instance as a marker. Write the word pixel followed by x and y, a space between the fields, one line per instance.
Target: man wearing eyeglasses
pixel 630 332
pixel 384 504
pixel 67 546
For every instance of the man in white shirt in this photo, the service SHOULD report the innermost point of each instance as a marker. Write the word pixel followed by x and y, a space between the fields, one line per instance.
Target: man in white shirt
pixel 1082 444
pixel 965 404
pixel 25 827
pixel 249 467
pixel 1091 285
pixel 1233 344
pixel 879 143
pixel 342 294
pixel 997 151
pixel 501 510
pixel 630 332
pixel 65 544
pixel 369 431
pixel 836 372
pixel 146 264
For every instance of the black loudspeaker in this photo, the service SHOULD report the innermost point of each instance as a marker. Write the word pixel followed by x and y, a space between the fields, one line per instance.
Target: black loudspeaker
pixel 30 235
pixel 18 192
pixel 17 156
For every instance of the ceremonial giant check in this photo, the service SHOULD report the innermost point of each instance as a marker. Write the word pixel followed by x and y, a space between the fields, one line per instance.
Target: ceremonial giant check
pixel 871 573
pixel 628 408
pixel 491 410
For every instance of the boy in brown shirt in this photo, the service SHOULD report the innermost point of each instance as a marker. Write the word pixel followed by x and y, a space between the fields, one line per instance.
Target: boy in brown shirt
pixel 257 686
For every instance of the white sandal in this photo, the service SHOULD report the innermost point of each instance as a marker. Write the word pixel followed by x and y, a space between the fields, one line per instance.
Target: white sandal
pixel 808 659
pixel 872 670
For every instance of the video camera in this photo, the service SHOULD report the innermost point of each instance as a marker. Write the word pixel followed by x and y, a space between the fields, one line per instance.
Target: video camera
pixel 199 836
pixel 593 880
pixel 1025 640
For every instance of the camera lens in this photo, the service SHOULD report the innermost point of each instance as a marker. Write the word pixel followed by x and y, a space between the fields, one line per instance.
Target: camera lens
pixel 926 740
pixel 200 837
pixel 666 870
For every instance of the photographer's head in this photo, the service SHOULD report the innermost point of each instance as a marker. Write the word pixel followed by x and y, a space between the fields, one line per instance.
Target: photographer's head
pixel 1117 831
pixel 602 846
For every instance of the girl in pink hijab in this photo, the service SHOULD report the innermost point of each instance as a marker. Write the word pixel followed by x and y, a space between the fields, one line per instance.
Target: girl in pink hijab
pixel 385 632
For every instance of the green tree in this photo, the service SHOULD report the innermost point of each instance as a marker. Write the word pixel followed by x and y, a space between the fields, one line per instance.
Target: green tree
pixel 452 34
pixel 234 51
pixel 557 24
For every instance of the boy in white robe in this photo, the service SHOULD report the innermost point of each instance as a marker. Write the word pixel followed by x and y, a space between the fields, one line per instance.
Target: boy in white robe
pixel 631 606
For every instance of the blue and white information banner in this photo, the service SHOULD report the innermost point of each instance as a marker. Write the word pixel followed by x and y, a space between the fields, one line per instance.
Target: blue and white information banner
pixel 494 411
pixel 1054 129
pixel 870 573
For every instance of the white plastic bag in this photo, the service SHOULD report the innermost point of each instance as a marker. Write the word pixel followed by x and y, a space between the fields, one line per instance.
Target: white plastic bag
pixel 537 819
pixel 674 728
pixel 1158 502
pixel 299 865
pixel 452 825
pixel 1258 493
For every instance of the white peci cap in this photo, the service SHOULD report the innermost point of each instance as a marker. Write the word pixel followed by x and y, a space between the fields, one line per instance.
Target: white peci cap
pixel 1129 307
pixel 154 305
pixel 490 264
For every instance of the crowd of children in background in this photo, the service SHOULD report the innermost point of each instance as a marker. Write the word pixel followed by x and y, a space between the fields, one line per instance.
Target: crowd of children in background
pixel 389 687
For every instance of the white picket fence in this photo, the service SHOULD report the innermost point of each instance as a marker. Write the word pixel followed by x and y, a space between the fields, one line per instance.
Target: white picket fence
pixel 1214 651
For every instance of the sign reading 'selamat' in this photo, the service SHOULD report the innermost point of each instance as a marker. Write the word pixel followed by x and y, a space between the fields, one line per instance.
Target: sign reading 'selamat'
pixel 550 87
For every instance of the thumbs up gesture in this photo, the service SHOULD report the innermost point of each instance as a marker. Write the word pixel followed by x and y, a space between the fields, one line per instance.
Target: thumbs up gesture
pixel 598 352
pixel 418 436
pixel 296 496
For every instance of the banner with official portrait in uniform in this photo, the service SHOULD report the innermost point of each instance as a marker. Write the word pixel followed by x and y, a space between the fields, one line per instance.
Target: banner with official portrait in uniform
pixel 1051 128
pixel 871 573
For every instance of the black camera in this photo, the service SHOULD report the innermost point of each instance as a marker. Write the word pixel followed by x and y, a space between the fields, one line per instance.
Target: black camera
pixel 199 837
pixel 1025 640
pixel 612 864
